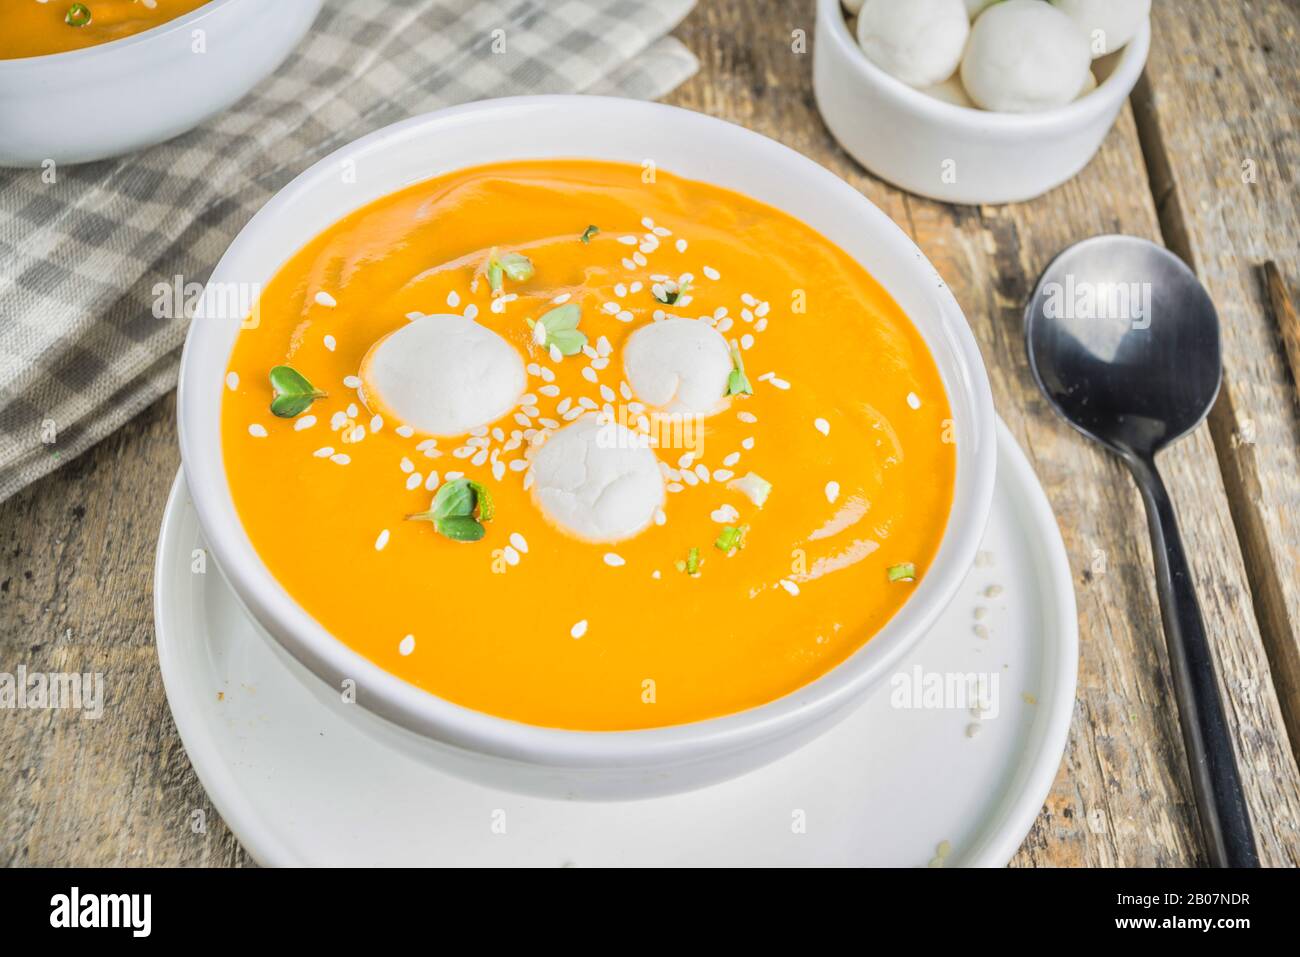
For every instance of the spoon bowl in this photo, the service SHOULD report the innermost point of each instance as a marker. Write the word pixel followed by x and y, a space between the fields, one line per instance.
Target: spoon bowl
pixel 1124 342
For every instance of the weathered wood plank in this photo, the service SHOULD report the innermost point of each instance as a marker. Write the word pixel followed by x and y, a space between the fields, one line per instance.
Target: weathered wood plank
pixel 76 585
pixel 1219 118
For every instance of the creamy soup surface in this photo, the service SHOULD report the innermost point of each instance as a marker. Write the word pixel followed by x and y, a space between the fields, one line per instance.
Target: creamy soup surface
pixel 37 27
pixel 718 604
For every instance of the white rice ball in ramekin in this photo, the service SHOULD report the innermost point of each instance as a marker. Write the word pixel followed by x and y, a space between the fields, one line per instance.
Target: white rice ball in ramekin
pixel 1108 25
pixel 1025 56
pixel 950 91
pixel 918 41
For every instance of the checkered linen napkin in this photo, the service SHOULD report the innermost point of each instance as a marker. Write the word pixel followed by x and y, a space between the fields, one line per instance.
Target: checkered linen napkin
pixel 81 351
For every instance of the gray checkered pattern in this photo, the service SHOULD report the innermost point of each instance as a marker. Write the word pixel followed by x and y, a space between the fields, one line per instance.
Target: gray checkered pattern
pixel 80 349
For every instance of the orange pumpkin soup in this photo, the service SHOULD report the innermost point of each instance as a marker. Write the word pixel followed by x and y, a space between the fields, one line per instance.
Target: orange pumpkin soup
pixel 38 27
pixel 829 412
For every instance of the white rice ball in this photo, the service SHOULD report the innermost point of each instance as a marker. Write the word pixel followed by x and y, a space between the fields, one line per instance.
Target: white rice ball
pixel 950 91
pixel 1107 24
pixel 598 480
pixel 1089 84
pixel 679 365
pixel 443 375
pixel 918 41
pixel 1025 56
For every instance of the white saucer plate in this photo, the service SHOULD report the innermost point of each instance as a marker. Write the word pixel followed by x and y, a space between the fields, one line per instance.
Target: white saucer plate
pixel 892 785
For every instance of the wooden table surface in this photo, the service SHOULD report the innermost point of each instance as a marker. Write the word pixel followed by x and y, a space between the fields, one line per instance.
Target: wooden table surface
pixel 1204 159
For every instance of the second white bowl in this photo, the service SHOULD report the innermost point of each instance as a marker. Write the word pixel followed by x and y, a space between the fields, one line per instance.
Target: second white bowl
pixel 124 95
pixel 952 153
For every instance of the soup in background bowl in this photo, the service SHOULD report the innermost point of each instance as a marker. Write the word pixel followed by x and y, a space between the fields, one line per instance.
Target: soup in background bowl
pixel 41 27
pixel 517 590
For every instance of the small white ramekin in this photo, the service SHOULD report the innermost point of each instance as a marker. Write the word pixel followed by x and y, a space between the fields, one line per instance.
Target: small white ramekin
pixel 500 752
pixel 124 95
pixel 952 153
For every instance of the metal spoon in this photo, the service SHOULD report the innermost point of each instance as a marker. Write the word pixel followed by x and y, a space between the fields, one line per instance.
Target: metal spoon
pixel 1124 341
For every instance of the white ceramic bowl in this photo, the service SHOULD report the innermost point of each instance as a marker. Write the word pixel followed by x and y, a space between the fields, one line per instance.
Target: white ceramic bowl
pixel 121 96
pixel 505 753
pixel 953 153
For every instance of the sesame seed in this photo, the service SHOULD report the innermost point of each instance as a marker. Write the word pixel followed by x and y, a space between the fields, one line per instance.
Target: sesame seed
pixel 614 560
pixel 579 629
pixel 725 514
pixel 822 426
pixel 681 245
pixel 330 343
pixel 413 481
pixel 749 418
pixel 789 586
pixel 747 443
pixel 453 299
pixel 257 431
pixel 832 491
pixel 723 475
pixel 519 542
pixel 471 311
pixel 712 273
pixel 913 400
pixel 324 453
pixel 498 470
pixel 232 381
pixel 511 556
pixel 431 482
pixel 589 374
pixel 407 646
pixel 325 299
pixel 305 422
pixel 405 431
pixel 381 541
pixel 338 458
pixel 562 298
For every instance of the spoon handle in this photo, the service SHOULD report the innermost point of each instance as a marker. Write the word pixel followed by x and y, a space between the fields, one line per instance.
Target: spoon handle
pixel 1215 779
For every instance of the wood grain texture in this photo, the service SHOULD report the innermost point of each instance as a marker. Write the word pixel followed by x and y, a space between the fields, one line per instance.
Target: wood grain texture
pixel 1221 127
pixel 76 564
